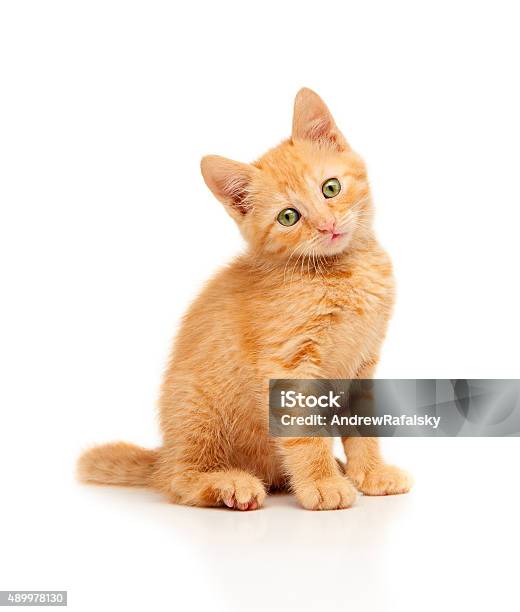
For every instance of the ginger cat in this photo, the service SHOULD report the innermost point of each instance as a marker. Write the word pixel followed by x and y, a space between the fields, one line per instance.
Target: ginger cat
pixel 310 298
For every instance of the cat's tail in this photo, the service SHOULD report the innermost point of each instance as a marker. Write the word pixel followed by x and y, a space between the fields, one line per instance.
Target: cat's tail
pixel 118 463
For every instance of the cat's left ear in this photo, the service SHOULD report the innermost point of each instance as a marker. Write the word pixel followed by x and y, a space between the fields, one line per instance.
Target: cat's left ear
pixel 312 121
pixel 229 182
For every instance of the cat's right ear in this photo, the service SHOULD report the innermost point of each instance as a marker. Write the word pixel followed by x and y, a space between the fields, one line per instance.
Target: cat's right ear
pixel 229 182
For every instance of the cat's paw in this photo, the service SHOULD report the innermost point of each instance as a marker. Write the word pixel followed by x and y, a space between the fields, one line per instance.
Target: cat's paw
pixel 383 480
pixel 331 493
pixel 239 491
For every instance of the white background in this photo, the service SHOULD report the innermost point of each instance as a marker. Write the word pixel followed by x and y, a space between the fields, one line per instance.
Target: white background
pixel 107 231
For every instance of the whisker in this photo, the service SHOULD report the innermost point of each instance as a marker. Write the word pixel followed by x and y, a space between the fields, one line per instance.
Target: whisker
pixel 287 263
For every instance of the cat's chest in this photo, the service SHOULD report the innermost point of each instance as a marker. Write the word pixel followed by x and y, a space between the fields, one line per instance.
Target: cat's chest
pixel 358 315
pixel 336 322
pixel 347 305
pixel 363 284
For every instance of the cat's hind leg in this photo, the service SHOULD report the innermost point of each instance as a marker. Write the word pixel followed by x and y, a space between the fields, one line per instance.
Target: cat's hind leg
pixel 235 489
pixel 232 488
pixel 198 464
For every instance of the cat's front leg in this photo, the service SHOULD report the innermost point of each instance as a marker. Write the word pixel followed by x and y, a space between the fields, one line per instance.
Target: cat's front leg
pixel 314 475
pixel 369 473
pixel 365 465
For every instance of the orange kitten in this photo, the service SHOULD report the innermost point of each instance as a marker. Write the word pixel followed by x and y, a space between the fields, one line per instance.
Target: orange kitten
pixel 310 298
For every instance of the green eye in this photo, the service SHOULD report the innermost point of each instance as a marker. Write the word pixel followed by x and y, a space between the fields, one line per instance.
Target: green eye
pixel 331 187
pixel 288 217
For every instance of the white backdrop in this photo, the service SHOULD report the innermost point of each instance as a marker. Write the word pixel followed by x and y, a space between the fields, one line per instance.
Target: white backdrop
pixel 107 231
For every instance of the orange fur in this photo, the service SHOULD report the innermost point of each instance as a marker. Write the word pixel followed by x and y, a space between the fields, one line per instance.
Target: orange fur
pixel 305 301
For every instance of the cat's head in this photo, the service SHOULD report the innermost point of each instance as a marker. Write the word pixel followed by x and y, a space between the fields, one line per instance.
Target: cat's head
pixel 308 196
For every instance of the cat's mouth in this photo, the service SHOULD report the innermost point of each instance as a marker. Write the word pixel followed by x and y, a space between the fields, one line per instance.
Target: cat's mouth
pixel 335 242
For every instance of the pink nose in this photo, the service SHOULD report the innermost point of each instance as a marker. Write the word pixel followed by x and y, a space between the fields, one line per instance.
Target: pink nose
pixel 327 227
